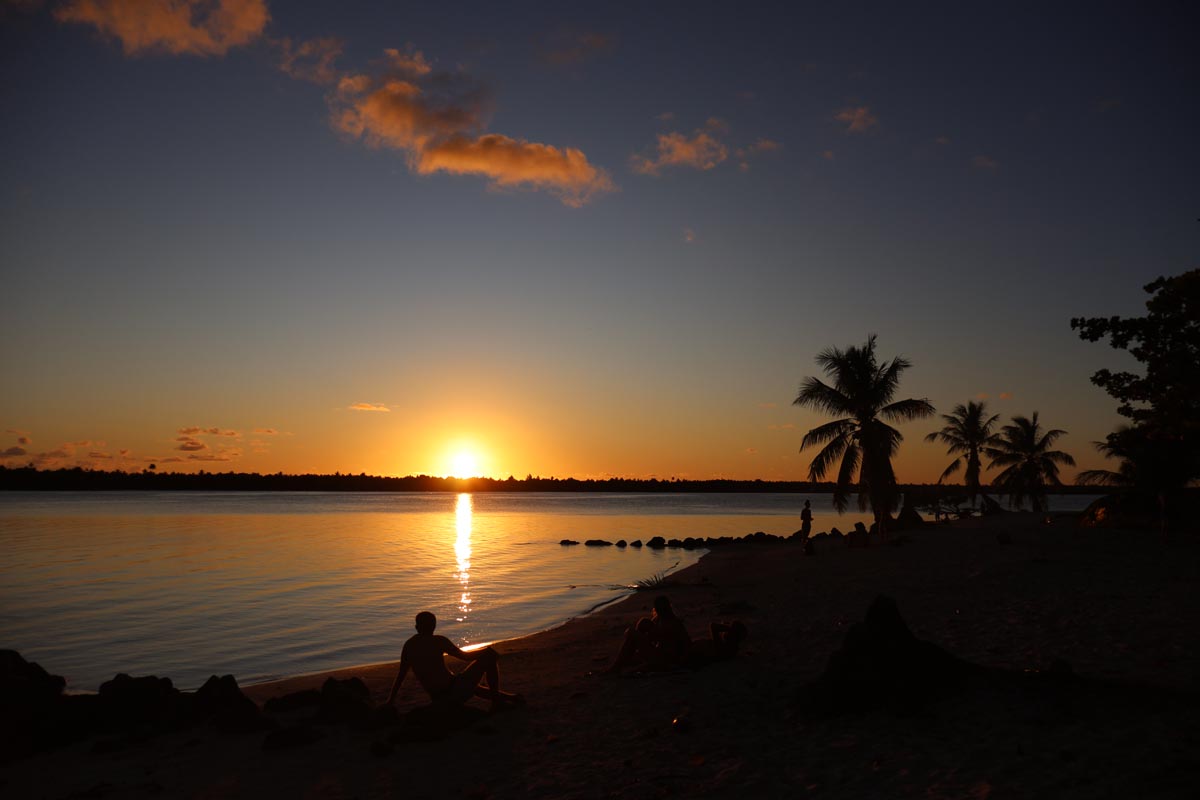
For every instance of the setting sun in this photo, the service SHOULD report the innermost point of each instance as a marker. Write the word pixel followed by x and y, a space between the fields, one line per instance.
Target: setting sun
pixel 464 463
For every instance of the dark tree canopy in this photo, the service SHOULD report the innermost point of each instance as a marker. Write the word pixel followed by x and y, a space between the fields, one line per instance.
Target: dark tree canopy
pixel 1167 342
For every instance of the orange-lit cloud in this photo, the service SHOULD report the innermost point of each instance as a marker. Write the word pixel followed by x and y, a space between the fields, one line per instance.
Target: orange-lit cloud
pixel 310 60
pixel 189 445
pixel 410 61
pixel 1006 395
pixel 702 150
pixel 178 27
pixel 768 405
pixel 827 155
pixel 13 452
pixel 565 48
pixel 985 163
pixel 943 140
pixel 666 116
pixel 196 431
pixel 437 120
pixel 565 173
pixel 689 235
pixel 744 154
pixel 367 407
pixel 787 426
pixel 224 455
pixel 99 455
pixel 859 119
pixel 266 431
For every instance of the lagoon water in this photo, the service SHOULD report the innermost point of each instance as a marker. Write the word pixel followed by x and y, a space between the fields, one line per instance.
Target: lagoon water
pixel 264 585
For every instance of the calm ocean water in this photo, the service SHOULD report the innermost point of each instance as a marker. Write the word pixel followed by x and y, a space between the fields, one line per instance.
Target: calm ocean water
pixel 266 585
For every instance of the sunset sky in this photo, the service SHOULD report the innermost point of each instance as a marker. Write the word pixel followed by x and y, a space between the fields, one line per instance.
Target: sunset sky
pixel 582 239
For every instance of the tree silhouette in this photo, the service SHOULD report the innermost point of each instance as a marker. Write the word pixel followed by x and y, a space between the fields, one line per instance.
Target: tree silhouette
pixel 861 393
pixel 1023 449
pixel 966 432
pixel 1160 452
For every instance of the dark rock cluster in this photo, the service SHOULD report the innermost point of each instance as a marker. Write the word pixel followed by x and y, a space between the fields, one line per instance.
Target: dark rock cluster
pixel 37 715
pixel 859 537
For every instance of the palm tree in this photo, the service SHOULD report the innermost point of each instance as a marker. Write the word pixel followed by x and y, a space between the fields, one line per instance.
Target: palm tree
pixel 1023 449
pixel 1119 445
pixel 966 432
pixel 861 393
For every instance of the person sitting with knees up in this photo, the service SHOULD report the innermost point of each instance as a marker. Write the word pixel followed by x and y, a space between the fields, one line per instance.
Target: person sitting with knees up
pixel 424 655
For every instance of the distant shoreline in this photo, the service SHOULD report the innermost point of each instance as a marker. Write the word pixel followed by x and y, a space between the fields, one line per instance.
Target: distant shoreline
pixel 78 479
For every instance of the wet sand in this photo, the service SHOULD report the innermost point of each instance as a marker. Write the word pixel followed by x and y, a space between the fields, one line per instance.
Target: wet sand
pixel 1120 607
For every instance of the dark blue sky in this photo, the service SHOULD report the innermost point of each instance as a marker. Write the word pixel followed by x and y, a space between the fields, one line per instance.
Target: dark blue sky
pixel 193 237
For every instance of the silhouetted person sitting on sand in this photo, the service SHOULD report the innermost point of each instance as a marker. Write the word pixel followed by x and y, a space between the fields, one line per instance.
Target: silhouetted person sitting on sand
pixel 423 654
pixel 724 640
pixel 657 643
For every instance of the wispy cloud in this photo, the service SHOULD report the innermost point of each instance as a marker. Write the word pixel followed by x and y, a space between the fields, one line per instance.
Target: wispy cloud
pixel 768 406
pixel 367 407
pixel 566 47
pixel 223 455
pixel 13 452
pixel 942 140
pixel 689 235
pixel 178 27
pixel 437 119
pixel 787 426
pixel 858 119
pixel 197 431
pixel 190 445
pixel 266 431
pixel 310 60
pixel 986 163
pixel 702 150
pixel 744 154
pixel 1006 395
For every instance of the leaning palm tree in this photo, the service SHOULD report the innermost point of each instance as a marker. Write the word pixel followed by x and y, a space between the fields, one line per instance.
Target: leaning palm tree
pixel 861 392
pixel 967 431
pixel 1023 450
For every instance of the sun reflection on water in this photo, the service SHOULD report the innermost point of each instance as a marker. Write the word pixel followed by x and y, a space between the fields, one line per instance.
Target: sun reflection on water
pixel 462 552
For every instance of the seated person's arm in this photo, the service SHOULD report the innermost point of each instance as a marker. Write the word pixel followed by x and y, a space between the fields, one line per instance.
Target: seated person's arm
pixel 400 675
pixel 449 648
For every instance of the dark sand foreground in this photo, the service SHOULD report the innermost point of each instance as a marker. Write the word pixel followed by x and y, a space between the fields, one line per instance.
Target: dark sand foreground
pixel 1122 608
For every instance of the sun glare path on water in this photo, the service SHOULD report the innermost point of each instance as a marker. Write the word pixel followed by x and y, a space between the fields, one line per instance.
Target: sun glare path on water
pixel 462 553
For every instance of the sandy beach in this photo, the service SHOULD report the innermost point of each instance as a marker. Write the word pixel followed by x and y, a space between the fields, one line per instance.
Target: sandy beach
pixel 1009 592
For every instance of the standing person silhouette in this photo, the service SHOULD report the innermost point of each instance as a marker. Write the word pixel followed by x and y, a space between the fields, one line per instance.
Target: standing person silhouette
pixel 424 655
pixel 806 520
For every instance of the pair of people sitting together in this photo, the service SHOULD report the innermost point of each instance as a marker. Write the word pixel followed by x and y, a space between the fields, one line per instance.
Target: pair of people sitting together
pixel 658 643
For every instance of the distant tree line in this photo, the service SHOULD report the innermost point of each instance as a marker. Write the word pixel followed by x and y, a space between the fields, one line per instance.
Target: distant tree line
pixel 80 479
